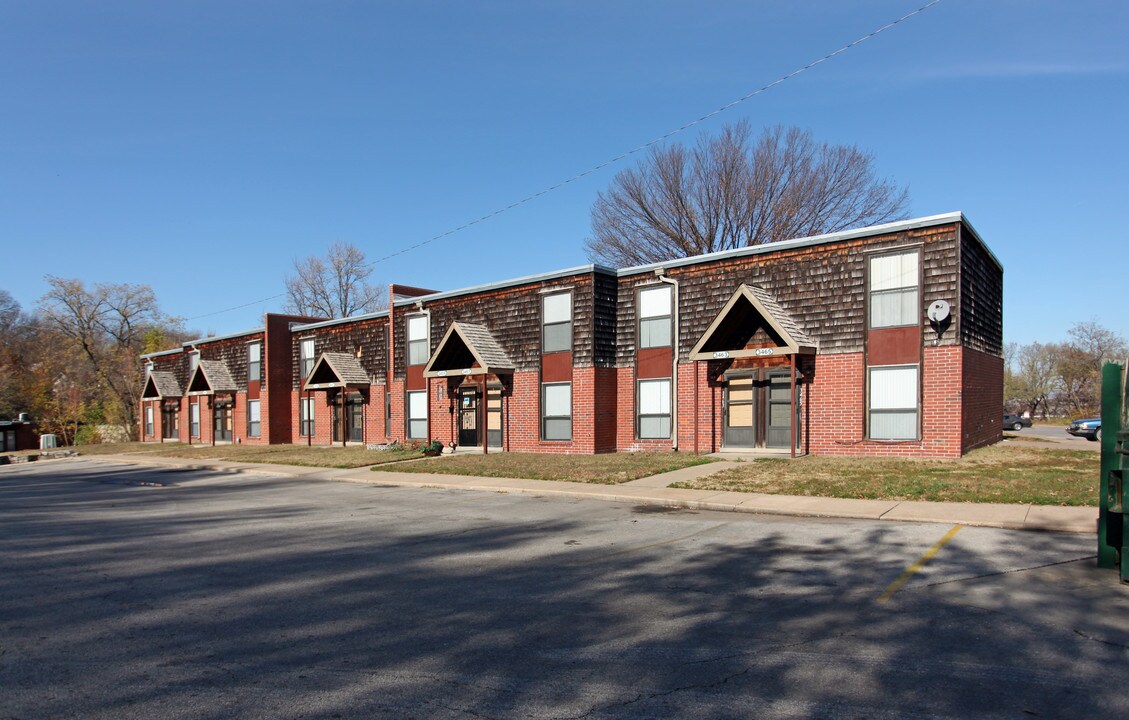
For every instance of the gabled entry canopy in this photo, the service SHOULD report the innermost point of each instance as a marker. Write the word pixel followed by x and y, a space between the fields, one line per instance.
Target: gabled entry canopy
pixel 161 385
pixel 336 370
pixel 211 377
pixel 751 312
pixel 468 349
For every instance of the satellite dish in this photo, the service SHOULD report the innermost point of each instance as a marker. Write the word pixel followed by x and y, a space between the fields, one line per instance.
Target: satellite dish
pixel 938 311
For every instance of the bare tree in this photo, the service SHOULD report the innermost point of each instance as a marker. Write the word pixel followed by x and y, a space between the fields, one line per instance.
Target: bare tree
pixel 1031 382
pixel 107 325
pixel 335 286
pixel 729 192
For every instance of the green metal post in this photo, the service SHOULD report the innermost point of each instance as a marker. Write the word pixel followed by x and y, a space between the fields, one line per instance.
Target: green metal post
pixel 1110 524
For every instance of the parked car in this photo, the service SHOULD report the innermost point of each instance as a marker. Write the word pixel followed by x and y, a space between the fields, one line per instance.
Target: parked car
pixel 1090 428
pixel 1016 422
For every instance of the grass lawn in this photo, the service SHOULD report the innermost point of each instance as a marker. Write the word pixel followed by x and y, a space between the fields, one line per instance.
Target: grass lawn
pixel 997 474
pixel 316 456
pixel 607 469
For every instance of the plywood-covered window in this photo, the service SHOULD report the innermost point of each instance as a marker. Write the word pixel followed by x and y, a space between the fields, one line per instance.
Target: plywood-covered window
pixel 417 340
pixel 654 317
pixel 556 322
pixel 894 402
pixel 740 402
pixel 654 409
pixel 894 281
pixel 556 411
pixel 417 415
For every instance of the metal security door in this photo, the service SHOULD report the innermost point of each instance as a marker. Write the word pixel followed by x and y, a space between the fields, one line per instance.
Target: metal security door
pixel 468 417
pixel 740 431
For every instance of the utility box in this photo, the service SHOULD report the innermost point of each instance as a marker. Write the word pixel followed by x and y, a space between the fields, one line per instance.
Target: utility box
pixel 47 441
pixel 1113 521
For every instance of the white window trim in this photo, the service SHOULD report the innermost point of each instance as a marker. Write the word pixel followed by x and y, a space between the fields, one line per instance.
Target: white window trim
pixel 545 416
pixel 916 409
pixel 639 414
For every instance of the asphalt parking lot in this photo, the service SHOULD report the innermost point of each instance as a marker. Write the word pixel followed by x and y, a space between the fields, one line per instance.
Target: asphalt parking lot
pixel 131 592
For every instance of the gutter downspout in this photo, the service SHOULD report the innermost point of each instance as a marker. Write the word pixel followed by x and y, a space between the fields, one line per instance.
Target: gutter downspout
pixel 659 273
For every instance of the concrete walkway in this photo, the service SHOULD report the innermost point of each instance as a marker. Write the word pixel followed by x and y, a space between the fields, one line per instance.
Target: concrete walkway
pixel 655 490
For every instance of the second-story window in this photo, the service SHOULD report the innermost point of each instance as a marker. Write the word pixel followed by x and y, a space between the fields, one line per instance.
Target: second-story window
pixel 417 340
pixel 654 317
pixel 893 290
pixel 305 357
pixel 254 362
pixel 193 361
pixel 556 318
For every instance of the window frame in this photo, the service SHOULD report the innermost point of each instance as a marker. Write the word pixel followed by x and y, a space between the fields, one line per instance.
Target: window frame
pixel 871 411
pixel 254 427
pixel 193 362
pixel 306 416
pixel 409 418
pixel 150 430
pixel 640 319
pixel 639 415
pixel 256 363
pixel 917 287
pixel 558 323
pixel 306 363
pixel 546 417
pixel 425 341
pixel 194 419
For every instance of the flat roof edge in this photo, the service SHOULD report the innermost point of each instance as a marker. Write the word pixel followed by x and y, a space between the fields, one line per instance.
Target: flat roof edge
pixel 229 336
pixel 512 282
pixel 296 327
pixel 896 226
pixel 162 352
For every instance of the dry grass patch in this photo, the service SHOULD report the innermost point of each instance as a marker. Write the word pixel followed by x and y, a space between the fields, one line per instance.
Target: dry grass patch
pixel 607 469
pixel 997 474
pixel 328 457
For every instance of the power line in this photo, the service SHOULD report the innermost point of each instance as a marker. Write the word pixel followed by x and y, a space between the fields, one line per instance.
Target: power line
pixel 629 153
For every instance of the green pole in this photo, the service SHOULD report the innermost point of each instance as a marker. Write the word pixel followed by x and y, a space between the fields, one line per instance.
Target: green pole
pixel 1109 524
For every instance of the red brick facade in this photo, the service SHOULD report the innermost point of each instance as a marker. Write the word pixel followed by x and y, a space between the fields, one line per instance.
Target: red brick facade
pixel 816 289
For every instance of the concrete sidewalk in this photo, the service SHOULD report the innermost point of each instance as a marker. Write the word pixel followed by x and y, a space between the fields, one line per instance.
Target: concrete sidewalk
pixel 654 490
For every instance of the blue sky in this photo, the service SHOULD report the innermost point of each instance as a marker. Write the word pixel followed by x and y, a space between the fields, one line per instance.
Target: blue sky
pixel 201 147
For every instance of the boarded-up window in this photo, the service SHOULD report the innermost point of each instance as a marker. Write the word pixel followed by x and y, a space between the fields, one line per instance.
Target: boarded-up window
pixel 654 317
pixel 654 409
pixel 740 398
pixel 556 318
pixel 556 411
pixel 893 402
pixel 894 289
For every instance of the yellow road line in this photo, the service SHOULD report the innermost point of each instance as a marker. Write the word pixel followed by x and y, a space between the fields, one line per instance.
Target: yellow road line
pixel 920 563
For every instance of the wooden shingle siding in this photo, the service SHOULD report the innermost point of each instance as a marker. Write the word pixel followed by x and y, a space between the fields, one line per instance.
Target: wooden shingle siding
pixel 605 297
pixel 981 294
pixel 512 316
pixel 823 288
pixel 232 352
pixel 369 335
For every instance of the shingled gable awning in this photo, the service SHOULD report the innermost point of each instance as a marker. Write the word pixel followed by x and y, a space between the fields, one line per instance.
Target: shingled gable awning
pixel 211 377
pixel 468 349
pixel 336 370
pixel 161 385
pixel 748 310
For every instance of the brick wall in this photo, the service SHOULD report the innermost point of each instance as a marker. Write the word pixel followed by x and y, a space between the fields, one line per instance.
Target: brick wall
pixel 983 393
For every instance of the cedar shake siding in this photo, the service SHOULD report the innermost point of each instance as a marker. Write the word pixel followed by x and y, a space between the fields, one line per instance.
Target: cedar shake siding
pixel 760 345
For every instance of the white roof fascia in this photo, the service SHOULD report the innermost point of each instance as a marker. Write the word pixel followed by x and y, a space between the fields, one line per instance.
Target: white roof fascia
pixel 501 284
pixel 162 353
pixel 229 336
pixel 297 327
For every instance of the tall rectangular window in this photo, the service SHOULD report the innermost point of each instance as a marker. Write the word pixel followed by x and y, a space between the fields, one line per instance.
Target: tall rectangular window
pixel 306 416
pixel 654 409
pixel 149 420
pixel 556 319
pixel 654 317
pixel 417 340
pixel 893 402
pixel 194 419
pixel 193 361
pixel 254 419
pixel 894 290
pixel 254 362
pixel 417 415
pixel 305 357
pixel 556 411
